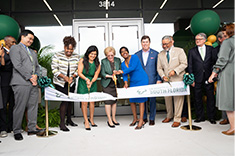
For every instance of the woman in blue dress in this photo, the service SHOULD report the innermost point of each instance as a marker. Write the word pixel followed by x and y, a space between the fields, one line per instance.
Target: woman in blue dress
pixel 138 77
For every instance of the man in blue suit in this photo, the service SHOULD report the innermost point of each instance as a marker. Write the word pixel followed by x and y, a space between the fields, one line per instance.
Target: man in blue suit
pixel 148 59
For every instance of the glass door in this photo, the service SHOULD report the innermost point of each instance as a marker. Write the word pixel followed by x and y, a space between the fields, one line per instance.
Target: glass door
pixel 103 33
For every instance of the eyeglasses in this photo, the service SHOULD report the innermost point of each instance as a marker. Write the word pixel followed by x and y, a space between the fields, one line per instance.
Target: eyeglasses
pixel 166 44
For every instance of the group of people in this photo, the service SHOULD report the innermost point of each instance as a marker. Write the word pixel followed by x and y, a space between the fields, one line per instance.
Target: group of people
pixel 20 69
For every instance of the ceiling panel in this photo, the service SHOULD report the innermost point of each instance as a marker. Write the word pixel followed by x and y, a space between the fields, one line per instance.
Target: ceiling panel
pixel 30 5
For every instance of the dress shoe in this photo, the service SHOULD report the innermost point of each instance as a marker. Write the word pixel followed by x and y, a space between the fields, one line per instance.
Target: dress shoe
pixel 133 123
pixel 18 136
pixel 71 123
pixel 166 120
pixel 111 126
pixel 65 129
pixel 3 134
pixel 212 121
pixel 116 123
pixel 175 124
pixel 224 122
pixel 151 122
pixel 94 125
pixel 229 133
pixel 199 120
pixel 183 119
pixel 36 132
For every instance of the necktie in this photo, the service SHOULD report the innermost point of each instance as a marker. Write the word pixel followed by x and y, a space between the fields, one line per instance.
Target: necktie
pixel 168 56
pixel 31 58
pixel 202 53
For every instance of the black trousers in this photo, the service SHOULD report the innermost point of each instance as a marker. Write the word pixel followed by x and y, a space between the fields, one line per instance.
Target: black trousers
pixel 210 103
pixel 6 115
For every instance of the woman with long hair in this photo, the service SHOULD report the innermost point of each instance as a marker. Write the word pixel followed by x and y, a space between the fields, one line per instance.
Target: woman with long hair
pixel 88 72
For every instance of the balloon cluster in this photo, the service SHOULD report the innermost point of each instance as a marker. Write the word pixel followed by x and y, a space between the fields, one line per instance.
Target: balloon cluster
pixel 211 41
pixel 208 22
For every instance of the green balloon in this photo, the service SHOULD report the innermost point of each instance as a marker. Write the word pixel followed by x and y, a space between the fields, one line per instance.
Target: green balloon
pixel 206 21
pixel 8 26
pixel 36 44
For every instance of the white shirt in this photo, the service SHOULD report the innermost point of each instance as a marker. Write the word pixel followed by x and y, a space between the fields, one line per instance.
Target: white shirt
pixel 145 56
pixel 204 50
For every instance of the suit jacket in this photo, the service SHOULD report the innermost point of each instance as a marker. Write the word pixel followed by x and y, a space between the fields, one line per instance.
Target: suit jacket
pixel 201 69
pixel 22 65
pixel 151 65
pixel 106 69
pixel 178 63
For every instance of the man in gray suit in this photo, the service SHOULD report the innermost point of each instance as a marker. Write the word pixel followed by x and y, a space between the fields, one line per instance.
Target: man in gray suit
pixel 24 84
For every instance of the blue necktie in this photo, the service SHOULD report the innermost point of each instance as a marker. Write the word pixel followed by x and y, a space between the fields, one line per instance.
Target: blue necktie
pixel 168 56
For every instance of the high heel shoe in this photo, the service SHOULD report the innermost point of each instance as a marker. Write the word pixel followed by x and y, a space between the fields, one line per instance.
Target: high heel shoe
pixel 91 124
pixel 133 123
pixel 116 123
pixel 111 126
pixel 64 128
pixel 71 123
pixel 88 129
pixel 139 127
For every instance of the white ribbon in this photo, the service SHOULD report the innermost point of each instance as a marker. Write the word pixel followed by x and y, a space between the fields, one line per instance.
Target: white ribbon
pixel 155 90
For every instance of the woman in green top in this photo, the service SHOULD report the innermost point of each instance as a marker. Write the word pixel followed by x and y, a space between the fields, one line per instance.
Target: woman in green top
pixel 88 72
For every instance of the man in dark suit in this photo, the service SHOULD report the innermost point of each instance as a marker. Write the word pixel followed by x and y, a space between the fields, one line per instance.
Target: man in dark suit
pixel 148 59
pixel 200 62
pixel 6 117
pixel 24 84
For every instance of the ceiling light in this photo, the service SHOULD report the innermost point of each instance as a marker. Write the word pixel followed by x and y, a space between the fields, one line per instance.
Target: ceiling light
pixel 188 27
pixel 58 20
pixel 106 6
pixel 163 4
pixel 154 18
pixel 217 4
pixel 48 6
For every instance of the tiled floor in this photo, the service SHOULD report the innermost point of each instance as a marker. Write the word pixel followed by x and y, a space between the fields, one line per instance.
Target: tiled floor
pixel 159 140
